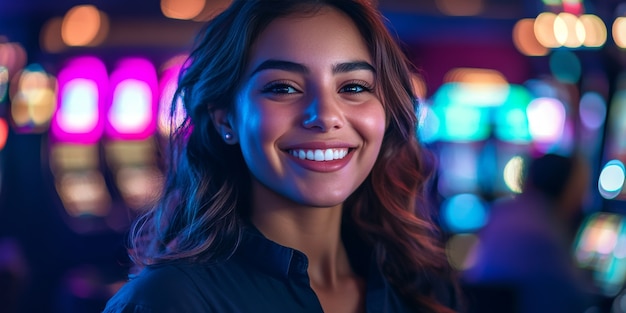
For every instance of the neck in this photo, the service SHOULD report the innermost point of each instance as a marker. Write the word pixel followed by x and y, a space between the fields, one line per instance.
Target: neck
pixel 314 231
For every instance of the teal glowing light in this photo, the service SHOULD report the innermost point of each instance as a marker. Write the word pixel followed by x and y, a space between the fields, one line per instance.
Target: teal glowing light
pixel 565 66
pixel 470 112
pixel 462 123
pixel 510 118
pixel 464 213
pixel 612 178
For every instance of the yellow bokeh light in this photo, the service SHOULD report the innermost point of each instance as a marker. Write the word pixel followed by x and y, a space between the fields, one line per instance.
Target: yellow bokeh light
pixel 513 174
pixel 619 31
pixel 544 30
pixel 182 9
pixel 73 157
pixel 475 76
pixel 84 193
pixel 568 30
pixel 139 185
pixel 595 29
pixel 34 101
pixel 84 25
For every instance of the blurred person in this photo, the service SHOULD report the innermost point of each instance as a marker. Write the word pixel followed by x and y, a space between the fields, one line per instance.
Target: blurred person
pixel 526 245
pixel 296 182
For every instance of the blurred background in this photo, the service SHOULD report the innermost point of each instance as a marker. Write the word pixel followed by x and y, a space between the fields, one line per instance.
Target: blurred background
pixel 84 86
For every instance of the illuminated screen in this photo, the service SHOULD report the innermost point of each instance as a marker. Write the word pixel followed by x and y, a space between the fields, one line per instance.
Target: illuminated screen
pixel 81 101
pixel 132 111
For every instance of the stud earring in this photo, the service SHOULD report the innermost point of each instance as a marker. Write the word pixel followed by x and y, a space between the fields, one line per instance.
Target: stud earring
pixel 228 136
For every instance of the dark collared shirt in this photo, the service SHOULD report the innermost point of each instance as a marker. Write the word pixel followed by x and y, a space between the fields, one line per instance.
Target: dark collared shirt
pixel 262 276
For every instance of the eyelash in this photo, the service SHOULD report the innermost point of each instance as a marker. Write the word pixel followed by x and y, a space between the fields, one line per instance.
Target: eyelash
pixel 365 86
pixel 274 87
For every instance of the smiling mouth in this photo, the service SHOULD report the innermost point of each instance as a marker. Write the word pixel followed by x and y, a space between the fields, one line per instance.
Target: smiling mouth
pixel 320 155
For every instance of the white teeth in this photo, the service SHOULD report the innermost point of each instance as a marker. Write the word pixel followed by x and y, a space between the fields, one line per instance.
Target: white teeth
pixel 319 154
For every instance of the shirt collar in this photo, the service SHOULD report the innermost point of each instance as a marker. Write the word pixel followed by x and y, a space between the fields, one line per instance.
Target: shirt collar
pixel 258 250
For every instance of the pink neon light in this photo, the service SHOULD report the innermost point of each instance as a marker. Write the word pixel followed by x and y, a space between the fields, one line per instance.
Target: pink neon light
pixel 81 101
pixel 4 133
pixel 132 111
pixel 575 8
pixel 167 87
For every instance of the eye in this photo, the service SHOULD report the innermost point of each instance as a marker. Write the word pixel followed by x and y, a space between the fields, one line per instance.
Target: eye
pixel 356 87
pixel 279 88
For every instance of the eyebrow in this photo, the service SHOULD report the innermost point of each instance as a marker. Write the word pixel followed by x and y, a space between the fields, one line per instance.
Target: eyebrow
pixel 352 66
pixel 300 68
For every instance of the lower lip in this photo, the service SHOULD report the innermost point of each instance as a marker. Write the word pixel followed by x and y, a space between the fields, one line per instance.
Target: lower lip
pixel 323 166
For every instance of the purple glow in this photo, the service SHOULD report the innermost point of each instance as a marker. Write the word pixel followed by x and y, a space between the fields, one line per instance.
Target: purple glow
pixel 132 111
pixel 167 87
pixel 81 101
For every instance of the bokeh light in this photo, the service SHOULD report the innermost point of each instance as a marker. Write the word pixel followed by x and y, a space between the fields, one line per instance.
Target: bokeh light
pixel 546 119
pixel 568 30
pixel 84 25
pixel 464 213
pixel 428 127
pixel 458 169
pixel 133 100
pixel 565 66
pixel 460 250
pixel 592 110
pixel 4 82
pixel 135 171
pixel 525 40
pixel 182 9
pixel 4 133
pixel 50 38
pixel 513 174
pixel 619 32
pixel 34 99
pixel 79 182
pixel 544 30
pixel 595 30
pixel 611 180
pixel 167 86
pixel 83 86
pixel 12 57
pixel 599 246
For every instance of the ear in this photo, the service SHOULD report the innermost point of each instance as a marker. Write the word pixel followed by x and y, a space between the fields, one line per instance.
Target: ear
pixel 223 126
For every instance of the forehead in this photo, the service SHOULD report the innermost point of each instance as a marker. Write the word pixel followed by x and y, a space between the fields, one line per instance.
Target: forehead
pixel 326 35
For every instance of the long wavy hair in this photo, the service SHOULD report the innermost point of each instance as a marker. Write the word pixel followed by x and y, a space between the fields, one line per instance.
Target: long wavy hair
pixel 205 200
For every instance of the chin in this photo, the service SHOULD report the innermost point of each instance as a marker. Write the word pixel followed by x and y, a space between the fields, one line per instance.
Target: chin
pixel 324 202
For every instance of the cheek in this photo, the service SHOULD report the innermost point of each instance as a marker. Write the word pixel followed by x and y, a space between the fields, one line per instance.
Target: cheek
pixel 258 127
pixel 372 123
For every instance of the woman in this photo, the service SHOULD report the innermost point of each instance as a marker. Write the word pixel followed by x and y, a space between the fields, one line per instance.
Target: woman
pixel 296 182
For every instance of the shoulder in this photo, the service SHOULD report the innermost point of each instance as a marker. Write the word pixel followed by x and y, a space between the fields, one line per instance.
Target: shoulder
pixel 159 289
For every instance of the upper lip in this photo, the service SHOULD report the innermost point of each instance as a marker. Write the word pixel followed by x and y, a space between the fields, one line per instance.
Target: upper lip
pixel 321 145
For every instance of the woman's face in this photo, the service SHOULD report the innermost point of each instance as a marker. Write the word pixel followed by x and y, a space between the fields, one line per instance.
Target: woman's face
pixel 307 119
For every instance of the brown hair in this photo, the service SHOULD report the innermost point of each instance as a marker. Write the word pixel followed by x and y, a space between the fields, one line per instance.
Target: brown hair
pixel 205 200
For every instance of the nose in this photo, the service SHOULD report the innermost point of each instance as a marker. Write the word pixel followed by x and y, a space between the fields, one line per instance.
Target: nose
pixel 323 114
